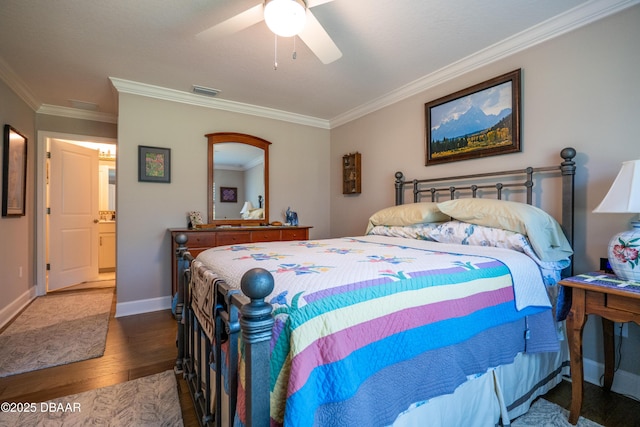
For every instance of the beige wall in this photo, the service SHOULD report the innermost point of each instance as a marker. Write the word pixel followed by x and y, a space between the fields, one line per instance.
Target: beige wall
pixel 580 90
pixel 17 234
pixel 298 172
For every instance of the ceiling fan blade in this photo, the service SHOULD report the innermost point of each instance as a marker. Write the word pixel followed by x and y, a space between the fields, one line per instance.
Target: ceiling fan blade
pixel 319 41
pixel 232 25
pixel 313 3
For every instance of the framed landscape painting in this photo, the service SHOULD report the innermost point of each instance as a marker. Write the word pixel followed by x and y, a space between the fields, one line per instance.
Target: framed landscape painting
pixel 154 164
pixel 480 121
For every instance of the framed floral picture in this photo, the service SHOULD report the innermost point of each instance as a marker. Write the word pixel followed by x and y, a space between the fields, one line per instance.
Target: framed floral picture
pixel 14 172
pixel 154 164
pixel 229 194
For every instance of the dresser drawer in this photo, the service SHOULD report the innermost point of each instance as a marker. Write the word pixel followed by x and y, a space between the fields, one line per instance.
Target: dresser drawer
pixel 232 237
pixel 296 234
pixel 265 236
pixel 201 239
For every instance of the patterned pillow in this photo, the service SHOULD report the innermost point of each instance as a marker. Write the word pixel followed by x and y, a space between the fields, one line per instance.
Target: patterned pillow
pixel 543 231
pixel 415 231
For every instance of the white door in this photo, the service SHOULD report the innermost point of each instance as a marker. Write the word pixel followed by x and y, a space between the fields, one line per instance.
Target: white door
pixel 73 218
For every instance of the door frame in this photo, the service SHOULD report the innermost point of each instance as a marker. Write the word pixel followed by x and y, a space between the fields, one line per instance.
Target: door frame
pixel 41 198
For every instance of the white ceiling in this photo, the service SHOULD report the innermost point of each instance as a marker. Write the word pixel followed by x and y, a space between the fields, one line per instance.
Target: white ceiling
pixel 52 52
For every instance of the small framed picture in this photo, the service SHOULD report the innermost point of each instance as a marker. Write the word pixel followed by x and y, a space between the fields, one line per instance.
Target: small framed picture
pixel 229 194
pixel 14 172
pixel 154 164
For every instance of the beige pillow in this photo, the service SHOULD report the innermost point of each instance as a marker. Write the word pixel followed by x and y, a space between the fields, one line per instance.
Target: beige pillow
pixel 409 214
pixel 256 214
pixel 543 231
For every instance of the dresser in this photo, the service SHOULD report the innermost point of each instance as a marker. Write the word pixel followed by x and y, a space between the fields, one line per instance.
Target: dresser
pixel 200 239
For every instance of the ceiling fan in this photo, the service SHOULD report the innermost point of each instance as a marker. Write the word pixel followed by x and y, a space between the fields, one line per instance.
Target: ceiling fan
pixel 294 15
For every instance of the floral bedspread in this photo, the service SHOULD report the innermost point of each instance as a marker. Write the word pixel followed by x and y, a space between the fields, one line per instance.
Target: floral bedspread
pixel 353 314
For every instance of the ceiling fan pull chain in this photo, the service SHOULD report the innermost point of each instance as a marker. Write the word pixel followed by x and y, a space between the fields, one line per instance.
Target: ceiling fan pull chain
pixel 275 53
pixel 295 54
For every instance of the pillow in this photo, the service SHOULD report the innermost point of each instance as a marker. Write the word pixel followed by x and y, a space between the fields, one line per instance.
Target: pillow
pixel 409 214
pixel 544 232
pixel 413 231
pixel 256 214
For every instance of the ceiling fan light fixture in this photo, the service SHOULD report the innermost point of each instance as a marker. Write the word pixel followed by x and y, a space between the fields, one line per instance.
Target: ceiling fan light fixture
pixel 285 18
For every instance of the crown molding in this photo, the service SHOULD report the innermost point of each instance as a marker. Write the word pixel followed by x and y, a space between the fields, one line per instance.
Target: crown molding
pixel 575 18
pixel 76 113
pixel 157 92
pixel 16 84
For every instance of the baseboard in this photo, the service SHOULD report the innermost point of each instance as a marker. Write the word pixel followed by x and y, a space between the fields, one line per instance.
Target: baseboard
pixel 130 308
pixel 10 311
pixel 624 382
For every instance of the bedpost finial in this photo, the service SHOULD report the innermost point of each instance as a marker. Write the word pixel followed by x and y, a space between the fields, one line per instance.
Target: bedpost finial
pixel 257 283
pixel 399 175
pixel 568 153
pixel 181 239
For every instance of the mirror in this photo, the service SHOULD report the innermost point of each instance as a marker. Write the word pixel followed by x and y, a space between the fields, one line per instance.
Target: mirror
pixel 107 184
pixel 238 178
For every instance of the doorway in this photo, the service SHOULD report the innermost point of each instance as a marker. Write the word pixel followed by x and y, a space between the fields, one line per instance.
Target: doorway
pixel 98 230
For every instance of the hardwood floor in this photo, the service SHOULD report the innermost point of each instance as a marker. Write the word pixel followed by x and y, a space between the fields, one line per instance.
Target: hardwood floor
pixel 144 344
pixel 607 408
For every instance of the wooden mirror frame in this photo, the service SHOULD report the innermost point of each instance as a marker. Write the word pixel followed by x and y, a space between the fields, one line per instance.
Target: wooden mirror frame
pixel 241 138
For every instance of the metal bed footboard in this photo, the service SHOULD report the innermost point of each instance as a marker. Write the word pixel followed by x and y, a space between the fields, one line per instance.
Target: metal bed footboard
pixel 233 311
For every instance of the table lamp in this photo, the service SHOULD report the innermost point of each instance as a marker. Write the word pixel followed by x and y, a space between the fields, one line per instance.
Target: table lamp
pixel 624 197
pixel 246 208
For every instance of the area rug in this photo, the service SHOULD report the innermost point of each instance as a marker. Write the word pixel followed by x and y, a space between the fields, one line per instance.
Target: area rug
pixel 56 329
pixel 147 401
pixel 547 414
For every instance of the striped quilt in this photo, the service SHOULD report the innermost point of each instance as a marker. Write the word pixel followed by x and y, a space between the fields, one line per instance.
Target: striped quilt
pixel 355 316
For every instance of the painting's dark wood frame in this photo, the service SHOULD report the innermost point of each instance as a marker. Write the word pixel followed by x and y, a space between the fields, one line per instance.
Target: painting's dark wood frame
pixel 8 169
pixel 514 78
pixel 142 164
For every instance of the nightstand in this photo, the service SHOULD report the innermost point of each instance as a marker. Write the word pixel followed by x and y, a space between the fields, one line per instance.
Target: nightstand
pixel 615 301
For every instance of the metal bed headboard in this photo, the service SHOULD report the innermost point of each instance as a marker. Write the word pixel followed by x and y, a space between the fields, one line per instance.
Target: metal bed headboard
pixel 435 186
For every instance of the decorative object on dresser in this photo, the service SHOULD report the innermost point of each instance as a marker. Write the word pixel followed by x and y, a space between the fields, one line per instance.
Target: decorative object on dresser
pixel 480 121
pixel 154 164
pixel 624 197
pixel 195 219
pixel 291 217
pixel 612 299
pixel 351 174
pixel 308 318
pixel 14 172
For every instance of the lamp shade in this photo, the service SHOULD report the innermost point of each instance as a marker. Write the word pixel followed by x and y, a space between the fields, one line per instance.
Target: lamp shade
pixel 246 208
pixel 285 18
pixel 624 194
pixel 624 197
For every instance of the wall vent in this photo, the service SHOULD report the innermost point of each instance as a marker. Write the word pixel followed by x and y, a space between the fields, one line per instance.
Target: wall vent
pixel 206 91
